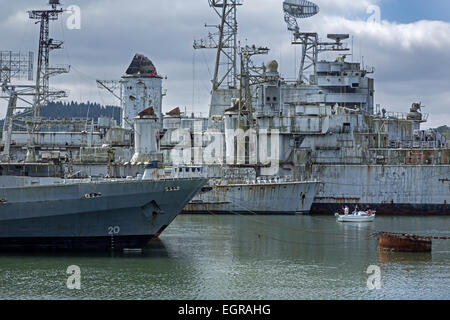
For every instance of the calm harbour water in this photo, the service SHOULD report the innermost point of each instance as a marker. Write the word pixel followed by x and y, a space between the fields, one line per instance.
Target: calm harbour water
pixel 245 257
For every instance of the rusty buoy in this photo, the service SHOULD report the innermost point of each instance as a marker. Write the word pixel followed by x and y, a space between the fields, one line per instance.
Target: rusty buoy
pixel 403 242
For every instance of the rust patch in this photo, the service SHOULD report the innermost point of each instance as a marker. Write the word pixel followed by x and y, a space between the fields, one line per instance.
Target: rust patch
pixel 337 200
pixel 419 157
pixel 303 199
pixel 322 208
pixel 446 156
pixel 403 242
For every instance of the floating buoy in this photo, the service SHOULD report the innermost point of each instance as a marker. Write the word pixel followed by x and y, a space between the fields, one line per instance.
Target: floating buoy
pixel 403 242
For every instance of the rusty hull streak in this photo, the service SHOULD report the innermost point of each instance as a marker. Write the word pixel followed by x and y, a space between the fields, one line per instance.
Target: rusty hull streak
pixel 387 209
pixel 419 157
pixel 337 200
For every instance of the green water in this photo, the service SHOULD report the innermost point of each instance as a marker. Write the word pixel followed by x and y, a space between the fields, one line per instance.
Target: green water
pixel 245 257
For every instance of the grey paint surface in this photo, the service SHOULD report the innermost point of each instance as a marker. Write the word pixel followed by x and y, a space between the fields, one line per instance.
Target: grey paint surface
pixel 281 198
pixel 125 208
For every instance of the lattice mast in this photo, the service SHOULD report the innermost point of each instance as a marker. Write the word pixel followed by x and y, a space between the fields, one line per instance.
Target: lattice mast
pixel 14 66
pixel 302 9
pixel 311 45
pixel 225 42
pixel 46 44
pixel 250 75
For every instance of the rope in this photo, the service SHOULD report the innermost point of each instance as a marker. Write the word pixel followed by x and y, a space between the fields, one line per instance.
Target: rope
pixel 370 236
pixel 291 228
pixel 411 236
pixel 277 239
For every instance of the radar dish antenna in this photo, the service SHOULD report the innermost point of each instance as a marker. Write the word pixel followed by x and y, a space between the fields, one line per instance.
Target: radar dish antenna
pixel 298 9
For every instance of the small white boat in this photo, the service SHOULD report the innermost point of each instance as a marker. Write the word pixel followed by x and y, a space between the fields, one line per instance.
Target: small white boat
pixel 356 217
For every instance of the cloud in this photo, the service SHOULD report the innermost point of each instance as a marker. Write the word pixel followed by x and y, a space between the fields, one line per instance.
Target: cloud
pixel 344 7
pixel 410 59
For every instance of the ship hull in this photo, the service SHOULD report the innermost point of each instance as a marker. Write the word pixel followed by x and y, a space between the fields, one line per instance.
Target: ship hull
pixel 386 209
pixel 91 216
pixel 71 243
pixel 390 189
pixel 288 198
pixel 403 243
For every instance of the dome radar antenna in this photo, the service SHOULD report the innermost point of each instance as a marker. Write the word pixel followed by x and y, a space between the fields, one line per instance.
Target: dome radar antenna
pixel 298 9
pixel 311 46
pixel 54 3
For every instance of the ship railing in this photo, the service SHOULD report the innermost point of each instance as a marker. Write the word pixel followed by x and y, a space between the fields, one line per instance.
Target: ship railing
pixel 429 144
pixel 258 181
pixel 403 116
pixel 396 115
pixel 193 172
pixel 409 144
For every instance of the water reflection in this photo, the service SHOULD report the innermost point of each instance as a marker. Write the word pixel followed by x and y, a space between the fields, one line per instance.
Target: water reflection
pixel 404 257
pixel 243 257
pixel 154 249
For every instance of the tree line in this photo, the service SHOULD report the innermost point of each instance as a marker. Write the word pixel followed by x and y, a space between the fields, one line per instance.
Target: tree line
pixel 74 109
pixel 445 131
pixel 80 110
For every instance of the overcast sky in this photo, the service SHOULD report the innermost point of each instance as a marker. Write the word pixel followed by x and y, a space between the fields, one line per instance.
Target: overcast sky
pixel 409 48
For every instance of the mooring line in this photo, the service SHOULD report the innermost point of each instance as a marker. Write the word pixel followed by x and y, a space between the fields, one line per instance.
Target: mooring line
pixel 372 235
pixel 249 217
pixel 294 228
pixel 334 244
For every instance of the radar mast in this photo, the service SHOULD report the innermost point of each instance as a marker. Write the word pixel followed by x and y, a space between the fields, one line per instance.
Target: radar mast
pixel 311 45
pixel 224 82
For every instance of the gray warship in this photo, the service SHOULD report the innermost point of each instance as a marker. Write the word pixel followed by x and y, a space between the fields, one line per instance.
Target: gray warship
pixel 271 197
pixel 330 129
pixel 81 148
pixel 40 208
pixel 86 214
pixel 326 124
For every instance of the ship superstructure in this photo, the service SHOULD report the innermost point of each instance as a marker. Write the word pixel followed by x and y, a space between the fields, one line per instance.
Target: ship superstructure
pixel 322 127
pixel 330 130
pixel 42 204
